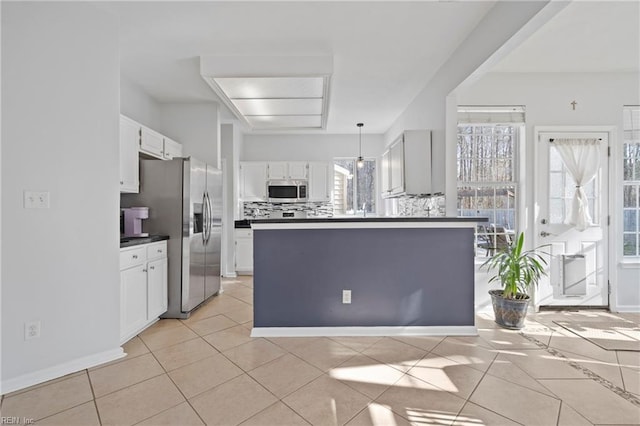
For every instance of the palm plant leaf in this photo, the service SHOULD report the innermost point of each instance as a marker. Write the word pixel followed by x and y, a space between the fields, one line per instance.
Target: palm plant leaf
pixel 517 270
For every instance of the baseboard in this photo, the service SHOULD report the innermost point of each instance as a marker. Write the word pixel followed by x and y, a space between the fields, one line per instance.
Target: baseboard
pixel 230 275
pixel 626 309
pixel 59 370
pixel 364 331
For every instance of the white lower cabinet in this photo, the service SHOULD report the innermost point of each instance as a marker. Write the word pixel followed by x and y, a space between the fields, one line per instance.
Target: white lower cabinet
pixel 133 300
pixel 143 287
pixel 244 251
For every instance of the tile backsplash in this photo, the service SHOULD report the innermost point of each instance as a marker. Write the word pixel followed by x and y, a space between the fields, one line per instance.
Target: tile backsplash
pixel 261 210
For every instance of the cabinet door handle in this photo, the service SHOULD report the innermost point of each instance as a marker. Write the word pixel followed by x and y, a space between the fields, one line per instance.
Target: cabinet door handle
pixel 152 267
pixel 135 256
pixel 159 251
pixel 144 270
pixel 121 183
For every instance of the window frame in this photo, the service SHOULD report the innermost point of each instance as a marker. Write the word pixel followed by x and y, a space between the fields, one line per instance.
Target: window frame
pixel 631 137
pixel 486 233
pixel 357 210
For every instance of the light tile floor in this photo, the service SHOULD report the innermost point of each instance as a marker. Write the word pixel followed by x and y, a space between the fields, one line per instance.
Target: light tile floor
pixel 207 370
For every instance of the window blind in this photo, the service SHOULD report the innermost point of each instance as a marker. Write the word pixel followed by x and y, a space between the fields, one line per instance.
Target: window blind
pixel 490 114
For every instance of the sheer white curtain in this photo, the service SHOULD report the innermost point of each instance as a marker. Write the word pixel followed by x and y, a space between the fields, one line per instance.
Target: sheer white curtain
pixel 582 159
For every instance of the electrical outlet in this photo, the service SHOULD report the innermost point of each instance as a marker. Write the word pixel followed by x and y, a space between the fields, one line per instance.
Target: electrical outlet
pixel 346 296
pixel 36 199
pixel 31 330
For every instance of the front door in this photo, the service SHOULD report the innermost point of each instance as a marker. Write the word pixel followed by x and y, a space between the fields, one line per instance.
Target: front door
pixel 577 271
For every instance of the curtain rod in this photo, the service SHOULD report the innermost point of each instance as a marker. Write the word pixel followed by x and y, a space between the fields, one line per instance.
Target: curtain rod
pixel 552 139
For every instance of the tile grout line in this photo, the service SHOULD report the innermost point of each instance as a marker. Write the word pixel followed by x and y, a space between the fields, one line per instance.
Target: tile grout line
pixel 468 400
pixel 177 388
pixel 75 406
pixel 93 393
pixel 525 372
pixel 590 374
pixel 624 383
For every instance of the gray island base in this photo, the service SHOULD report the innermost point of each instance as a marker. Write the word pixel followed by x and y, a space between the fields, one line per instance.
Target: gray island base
pixel 406 276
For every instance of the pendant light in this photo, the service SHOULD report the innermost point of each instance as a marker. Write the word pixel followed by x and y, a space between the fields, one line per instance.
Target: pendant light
pixel 360 161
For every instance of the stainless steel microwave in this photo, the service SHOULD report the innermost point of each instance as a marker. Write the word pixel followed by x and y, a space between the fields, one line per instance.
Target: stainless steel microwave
pixel 287 191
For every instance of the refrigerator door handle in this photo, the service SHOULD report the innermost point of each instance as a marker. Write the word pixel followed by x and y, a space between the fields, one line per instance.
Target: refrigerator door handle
pixel 205 219
pixel 209 216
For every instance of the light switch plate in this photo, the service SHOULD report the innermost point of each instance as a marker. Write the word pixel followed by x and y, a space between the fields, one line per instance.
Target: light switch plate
pixel 36 199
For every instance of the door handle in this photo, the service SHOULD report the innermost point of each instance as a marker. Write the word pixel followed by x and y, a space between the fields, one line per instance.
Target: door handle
pixel 204 218
pixel 207 224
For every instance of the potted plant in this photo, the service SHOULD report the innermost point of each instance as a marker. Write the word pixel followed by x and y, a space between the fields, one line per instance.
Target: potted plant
pixel 517 271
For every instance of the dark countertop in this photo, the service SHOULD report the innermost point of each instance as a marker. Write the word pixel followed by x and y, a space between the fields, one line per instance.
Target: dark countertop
pixel 373 219
pixel 135 241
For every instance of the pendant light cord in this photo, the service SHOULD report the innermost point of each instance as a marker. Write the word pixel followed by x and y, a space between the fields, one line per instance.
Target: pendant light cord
pixel 360 162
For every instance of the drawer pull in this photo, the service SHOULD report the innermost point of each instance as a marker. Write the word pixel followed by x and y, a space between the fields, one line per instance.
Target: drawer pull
pixel 159 251
pixel 135 256
pixel 152 267
pixel 144 270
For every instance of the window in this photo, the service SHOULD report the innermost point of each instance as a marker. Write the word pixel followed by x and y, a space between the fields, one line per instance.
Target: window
pixel 562 187
pixel 354 189
pixel 631 183
pixel 487 160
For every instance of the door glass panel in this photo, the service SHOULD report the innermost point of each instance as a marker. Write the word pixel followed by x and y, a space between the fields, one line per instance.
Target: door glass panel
pixel 556 210
pixel 562 188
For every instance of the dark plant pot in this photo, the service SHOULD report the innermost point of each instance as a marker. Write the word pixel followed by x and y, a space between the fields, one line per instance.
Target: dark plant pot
pixel 509 313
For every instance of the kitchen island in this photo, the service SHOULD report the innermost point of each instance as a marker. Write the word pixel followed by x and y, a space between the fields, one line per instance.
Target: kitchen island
pixel 404 276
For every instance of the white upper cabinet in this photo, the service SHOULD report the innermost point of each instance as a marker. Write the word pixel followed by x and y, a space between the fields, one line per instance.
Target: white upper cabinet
pixel 151 143
pixel 407 166
pixel 129 166
pixel 396 164
pixel 253 181
pixel 320 179
pixel 385 181
pixel 172 149
pixel 287 170
pixel 298 170
pixel 277 170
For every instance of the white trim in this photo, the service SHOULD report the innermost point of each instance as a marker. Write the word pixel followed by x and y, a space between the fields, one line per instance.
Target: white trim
pixel 134 333
pixel 609 231
pixel 60 370
pixel 629 264
pixel 364 331
pixel 626 308
pixel 230 275
pixel 362 225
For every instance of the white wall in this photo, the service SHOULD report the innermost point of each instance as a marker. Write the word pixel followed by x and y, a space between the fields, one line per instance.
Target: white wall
pixel 502 29
pixel 196 126
pixel 230 137
pixel 60 107
pixel 136 104
pixel 310 147
pixel 546 97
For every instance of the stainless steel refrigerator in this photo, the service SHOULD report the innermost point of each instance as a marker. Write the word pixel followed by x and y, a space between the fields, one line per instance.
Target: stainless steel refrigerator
pixel 184 197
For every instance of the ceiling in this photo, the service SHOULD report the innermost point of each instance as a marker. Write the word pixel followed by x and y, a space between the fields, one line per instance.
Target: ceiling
pixel 586 36
pixel 384 53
